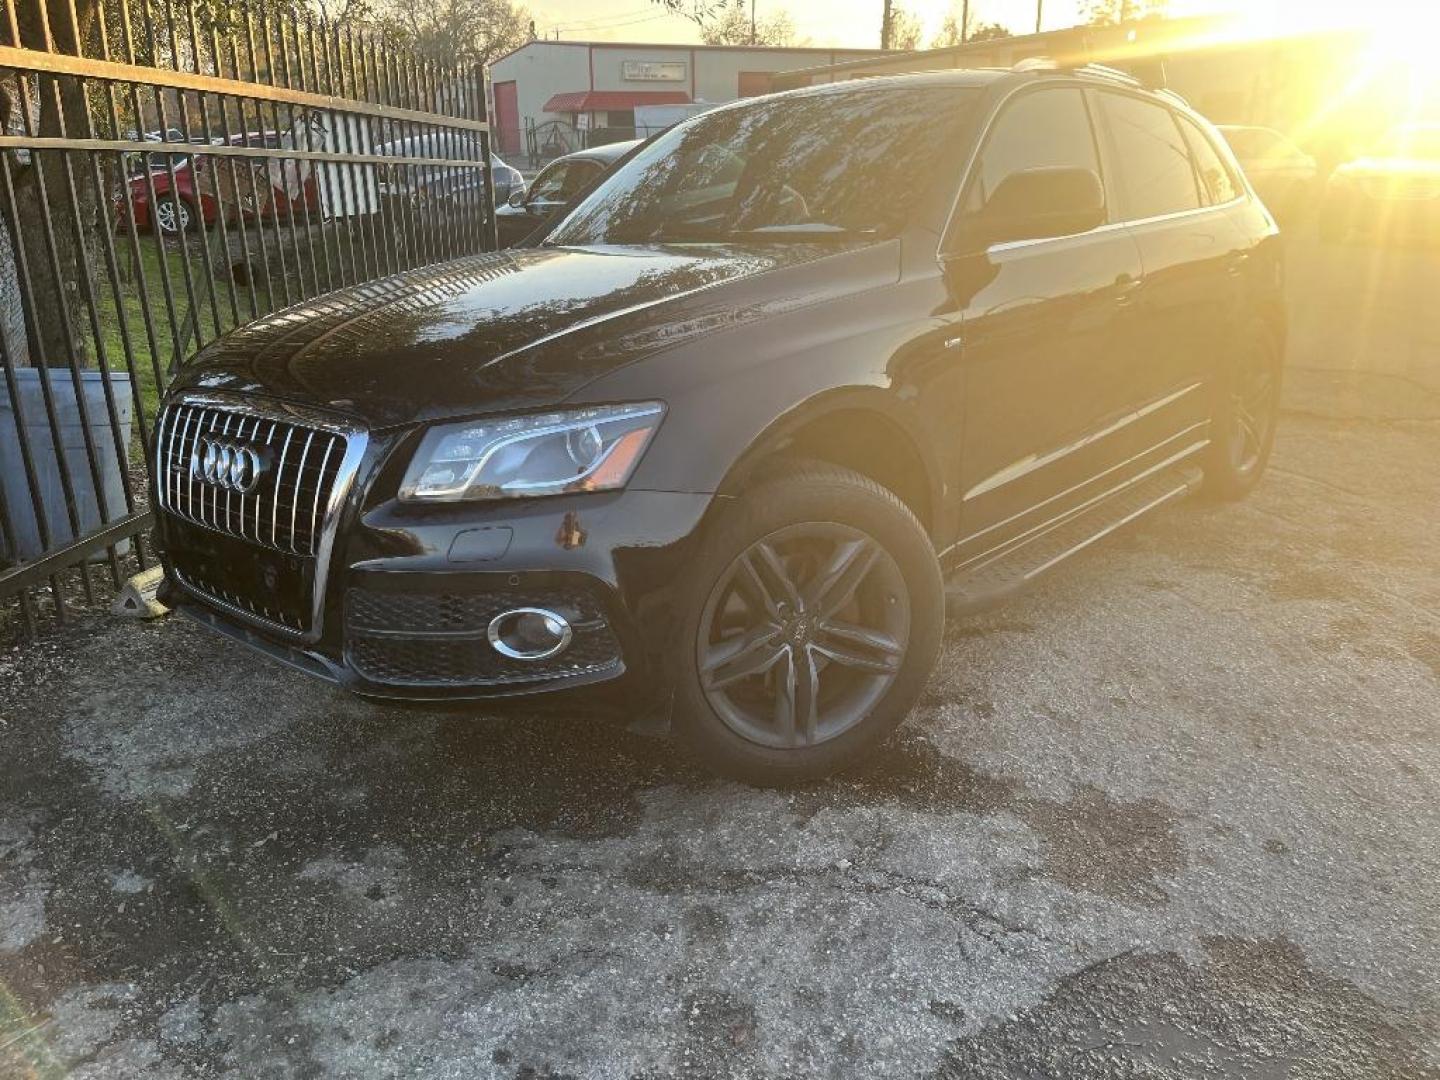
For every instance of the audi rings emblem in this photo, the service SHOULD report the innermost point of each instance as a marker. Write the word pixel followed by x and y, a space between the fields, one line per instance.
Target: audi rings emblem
pixel 227 465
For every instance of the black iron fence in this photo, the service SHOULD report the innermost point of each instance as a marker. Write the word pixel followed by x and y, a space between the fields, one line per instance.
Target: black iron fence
pixel 169 170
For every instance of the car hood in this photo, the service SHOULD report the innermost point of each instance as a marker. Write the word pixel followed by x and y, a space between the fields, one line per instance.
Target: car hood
pixel 507 330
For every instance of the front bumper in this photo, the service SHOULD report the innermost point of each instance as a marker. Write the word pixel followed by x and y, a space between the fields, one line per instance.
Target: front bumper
pixel 411 591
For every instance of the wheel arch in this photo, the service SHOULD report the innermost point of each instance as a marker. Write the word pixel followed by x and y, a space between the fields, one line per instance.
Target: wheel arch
pixel 866 430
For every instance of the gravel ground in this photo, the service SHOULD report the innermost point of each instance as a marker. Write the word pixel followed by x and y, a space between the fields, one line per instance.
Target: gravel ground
pixel 1172 814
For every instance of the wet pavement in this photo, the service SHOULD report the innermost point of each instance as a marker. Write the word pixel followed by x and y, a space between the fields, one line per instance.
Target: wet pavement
pixel 1175 813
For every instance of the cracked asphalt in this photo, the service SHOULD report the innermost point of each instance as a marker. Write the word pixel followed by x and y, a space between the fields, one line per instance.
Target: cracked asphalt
pixel 1174 813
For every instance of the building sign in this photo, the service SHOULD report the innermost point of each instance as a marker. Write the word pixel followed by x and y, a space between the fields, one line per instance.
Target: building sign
pixel 653 70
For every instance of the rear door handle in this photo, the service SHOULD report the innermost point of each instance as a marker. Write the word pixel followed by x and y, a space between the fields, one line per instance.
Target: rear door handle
pixel 1235 263
pixel 1125 288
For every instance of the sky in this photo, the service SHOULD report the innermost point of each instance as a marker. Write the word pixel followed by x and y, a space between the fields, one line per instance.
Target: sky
pixel 856 23
pixel 838 23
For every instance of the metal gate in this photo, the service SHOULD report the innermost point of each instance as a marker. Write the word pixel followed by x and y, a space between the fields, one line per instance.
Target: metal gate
pixel 167 173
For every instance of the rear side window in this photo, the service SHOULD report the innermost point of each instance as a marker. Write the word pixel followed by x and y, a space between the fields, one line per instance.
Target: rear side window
pixel 1218 182
pixel 1041 129
pixel 1154 166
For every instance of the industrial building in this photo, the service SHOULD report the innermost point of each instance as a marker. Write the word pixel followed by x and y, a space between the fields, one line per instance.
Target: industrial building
pixel 551 97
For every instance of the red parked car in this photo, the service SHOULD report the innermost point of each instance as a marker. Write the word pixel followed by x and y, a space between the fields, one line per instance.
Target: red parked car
pixel 181 207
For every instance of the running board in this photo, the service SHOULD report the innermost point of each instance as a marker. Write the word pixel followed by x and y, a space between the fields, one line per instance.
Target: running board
pixel 996 576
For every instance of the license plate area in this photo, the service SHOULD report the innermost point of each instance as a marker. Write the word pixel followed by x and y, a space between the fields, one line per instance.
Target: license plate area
pixel 268 586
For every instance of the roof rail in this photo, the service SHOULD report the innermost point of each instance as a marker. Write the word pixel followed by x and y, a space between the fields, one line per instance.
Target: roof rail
pixel 1106 72
pixel 1049 65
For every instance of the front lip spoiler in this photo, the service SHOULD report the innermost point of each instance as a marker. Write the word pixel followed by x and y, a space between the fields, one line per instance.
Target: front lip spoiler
pixel 312 664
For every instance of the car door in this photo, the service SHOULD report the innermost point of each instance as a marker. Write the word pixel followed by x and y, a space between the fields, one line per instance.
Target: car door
pixel 1192 258
pixel 1045 335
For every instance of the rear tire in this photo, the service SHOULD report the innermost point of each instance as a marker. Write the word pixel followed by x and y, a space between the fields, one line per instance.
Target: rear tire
pixel 811 623
pixel 1247 406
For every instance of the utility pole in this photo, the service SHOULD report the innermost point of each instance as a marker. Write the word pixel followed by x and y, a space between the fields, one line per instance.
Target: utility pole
pixel 752 23
pixel 964 21
pixel 885 25
pixel 1039 13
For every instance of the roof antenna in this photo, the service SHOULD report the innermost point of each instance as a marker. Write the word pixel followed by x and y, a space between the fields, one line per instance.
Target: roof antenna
pixel 1150 71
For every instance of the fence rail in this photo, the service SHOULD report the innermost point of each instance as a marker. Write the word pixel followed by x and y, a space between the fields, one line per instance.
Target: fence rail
pixel 168 171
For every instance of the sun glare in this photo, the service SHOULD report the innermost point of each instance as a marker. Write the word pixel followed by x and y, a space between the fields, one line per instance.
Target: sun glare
pixel 1401 33
pixel 1364 67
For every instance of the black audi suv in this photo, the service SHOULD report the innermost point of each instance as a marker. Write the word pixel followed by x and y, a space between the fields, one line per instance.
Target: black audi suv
pixel 797 375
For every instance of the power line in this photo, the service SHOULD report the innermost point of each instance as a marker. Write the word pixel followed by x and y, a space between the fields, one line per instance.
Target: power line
pixel 616 16
pixel 606 25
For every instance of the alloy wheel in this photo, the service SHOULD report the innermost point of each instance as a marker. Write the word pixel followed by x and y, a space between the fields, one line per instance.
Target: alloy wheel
pixel 172 216
pixel 803 634
pixel 1252 410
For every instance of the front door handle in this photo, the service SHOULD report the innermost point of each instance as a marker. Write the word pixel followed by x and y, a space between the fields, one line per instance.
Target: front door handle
pixel 1235 263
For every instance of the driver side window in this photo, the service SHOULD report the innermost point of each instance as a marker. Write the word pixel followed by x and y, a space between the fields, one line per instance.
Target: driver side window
pixel 1037 130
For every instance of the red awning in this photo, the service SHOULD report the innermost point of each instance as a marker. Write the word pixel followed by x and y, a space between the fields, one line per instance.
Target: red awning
pixel 584 101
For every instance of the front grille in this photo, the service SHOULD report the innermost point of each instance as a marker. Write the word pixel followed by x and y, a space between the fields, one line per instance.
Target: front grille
pixel 287 508
pixel 438 639
pixel 260 554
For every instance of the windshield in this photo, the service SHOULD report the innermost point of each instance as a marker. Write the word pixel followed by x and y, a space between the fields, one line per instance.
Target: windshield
pixel 840 163
pixel 1410 142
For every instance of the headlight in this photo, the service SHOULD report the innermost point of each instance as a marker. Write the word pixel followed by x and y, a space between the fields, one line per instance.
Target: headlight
pixel 592 449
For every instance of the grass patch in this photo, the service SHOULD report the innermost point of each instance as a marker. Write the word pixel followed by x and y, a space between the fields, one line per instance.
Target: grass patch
pixel 162 316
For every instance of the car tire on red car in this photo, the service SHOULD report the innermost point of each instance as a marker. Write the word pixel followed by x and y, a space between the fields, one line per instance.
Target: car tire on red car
pixel 175 215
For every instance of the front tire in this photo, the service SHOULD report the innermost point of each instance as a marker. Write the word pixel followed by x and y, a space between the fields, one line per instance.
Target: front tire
pixel 175 215
pixel 812 621
pixel 1247 406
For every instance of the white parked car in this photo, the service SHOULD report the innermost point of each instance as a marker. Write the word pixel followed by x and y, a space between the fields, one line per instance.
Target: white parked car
pixel 1283 175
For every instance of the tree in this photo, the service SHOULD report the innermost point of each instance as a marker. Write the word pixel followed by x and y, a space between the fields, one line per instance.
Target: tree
pixel 700 12
pixel 732 26
pixel 59 261
pixel 950 35
pixel 991 31
pixel 1111 12
pixel 905 30
pixel 458 31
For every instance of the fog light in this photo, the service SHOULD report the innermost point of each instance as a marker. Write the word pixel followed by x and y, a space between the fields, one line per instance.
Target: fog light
pixel 529 633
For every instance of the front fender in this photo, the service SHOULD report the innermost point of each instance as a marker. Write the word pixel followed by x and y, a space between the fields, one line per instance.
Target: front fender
pixel 751 400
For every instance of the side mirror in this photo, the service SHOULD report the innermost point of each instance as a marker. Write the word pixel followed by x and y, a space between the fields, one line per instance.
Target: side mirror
pixel 1036 204
pixel 517 197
